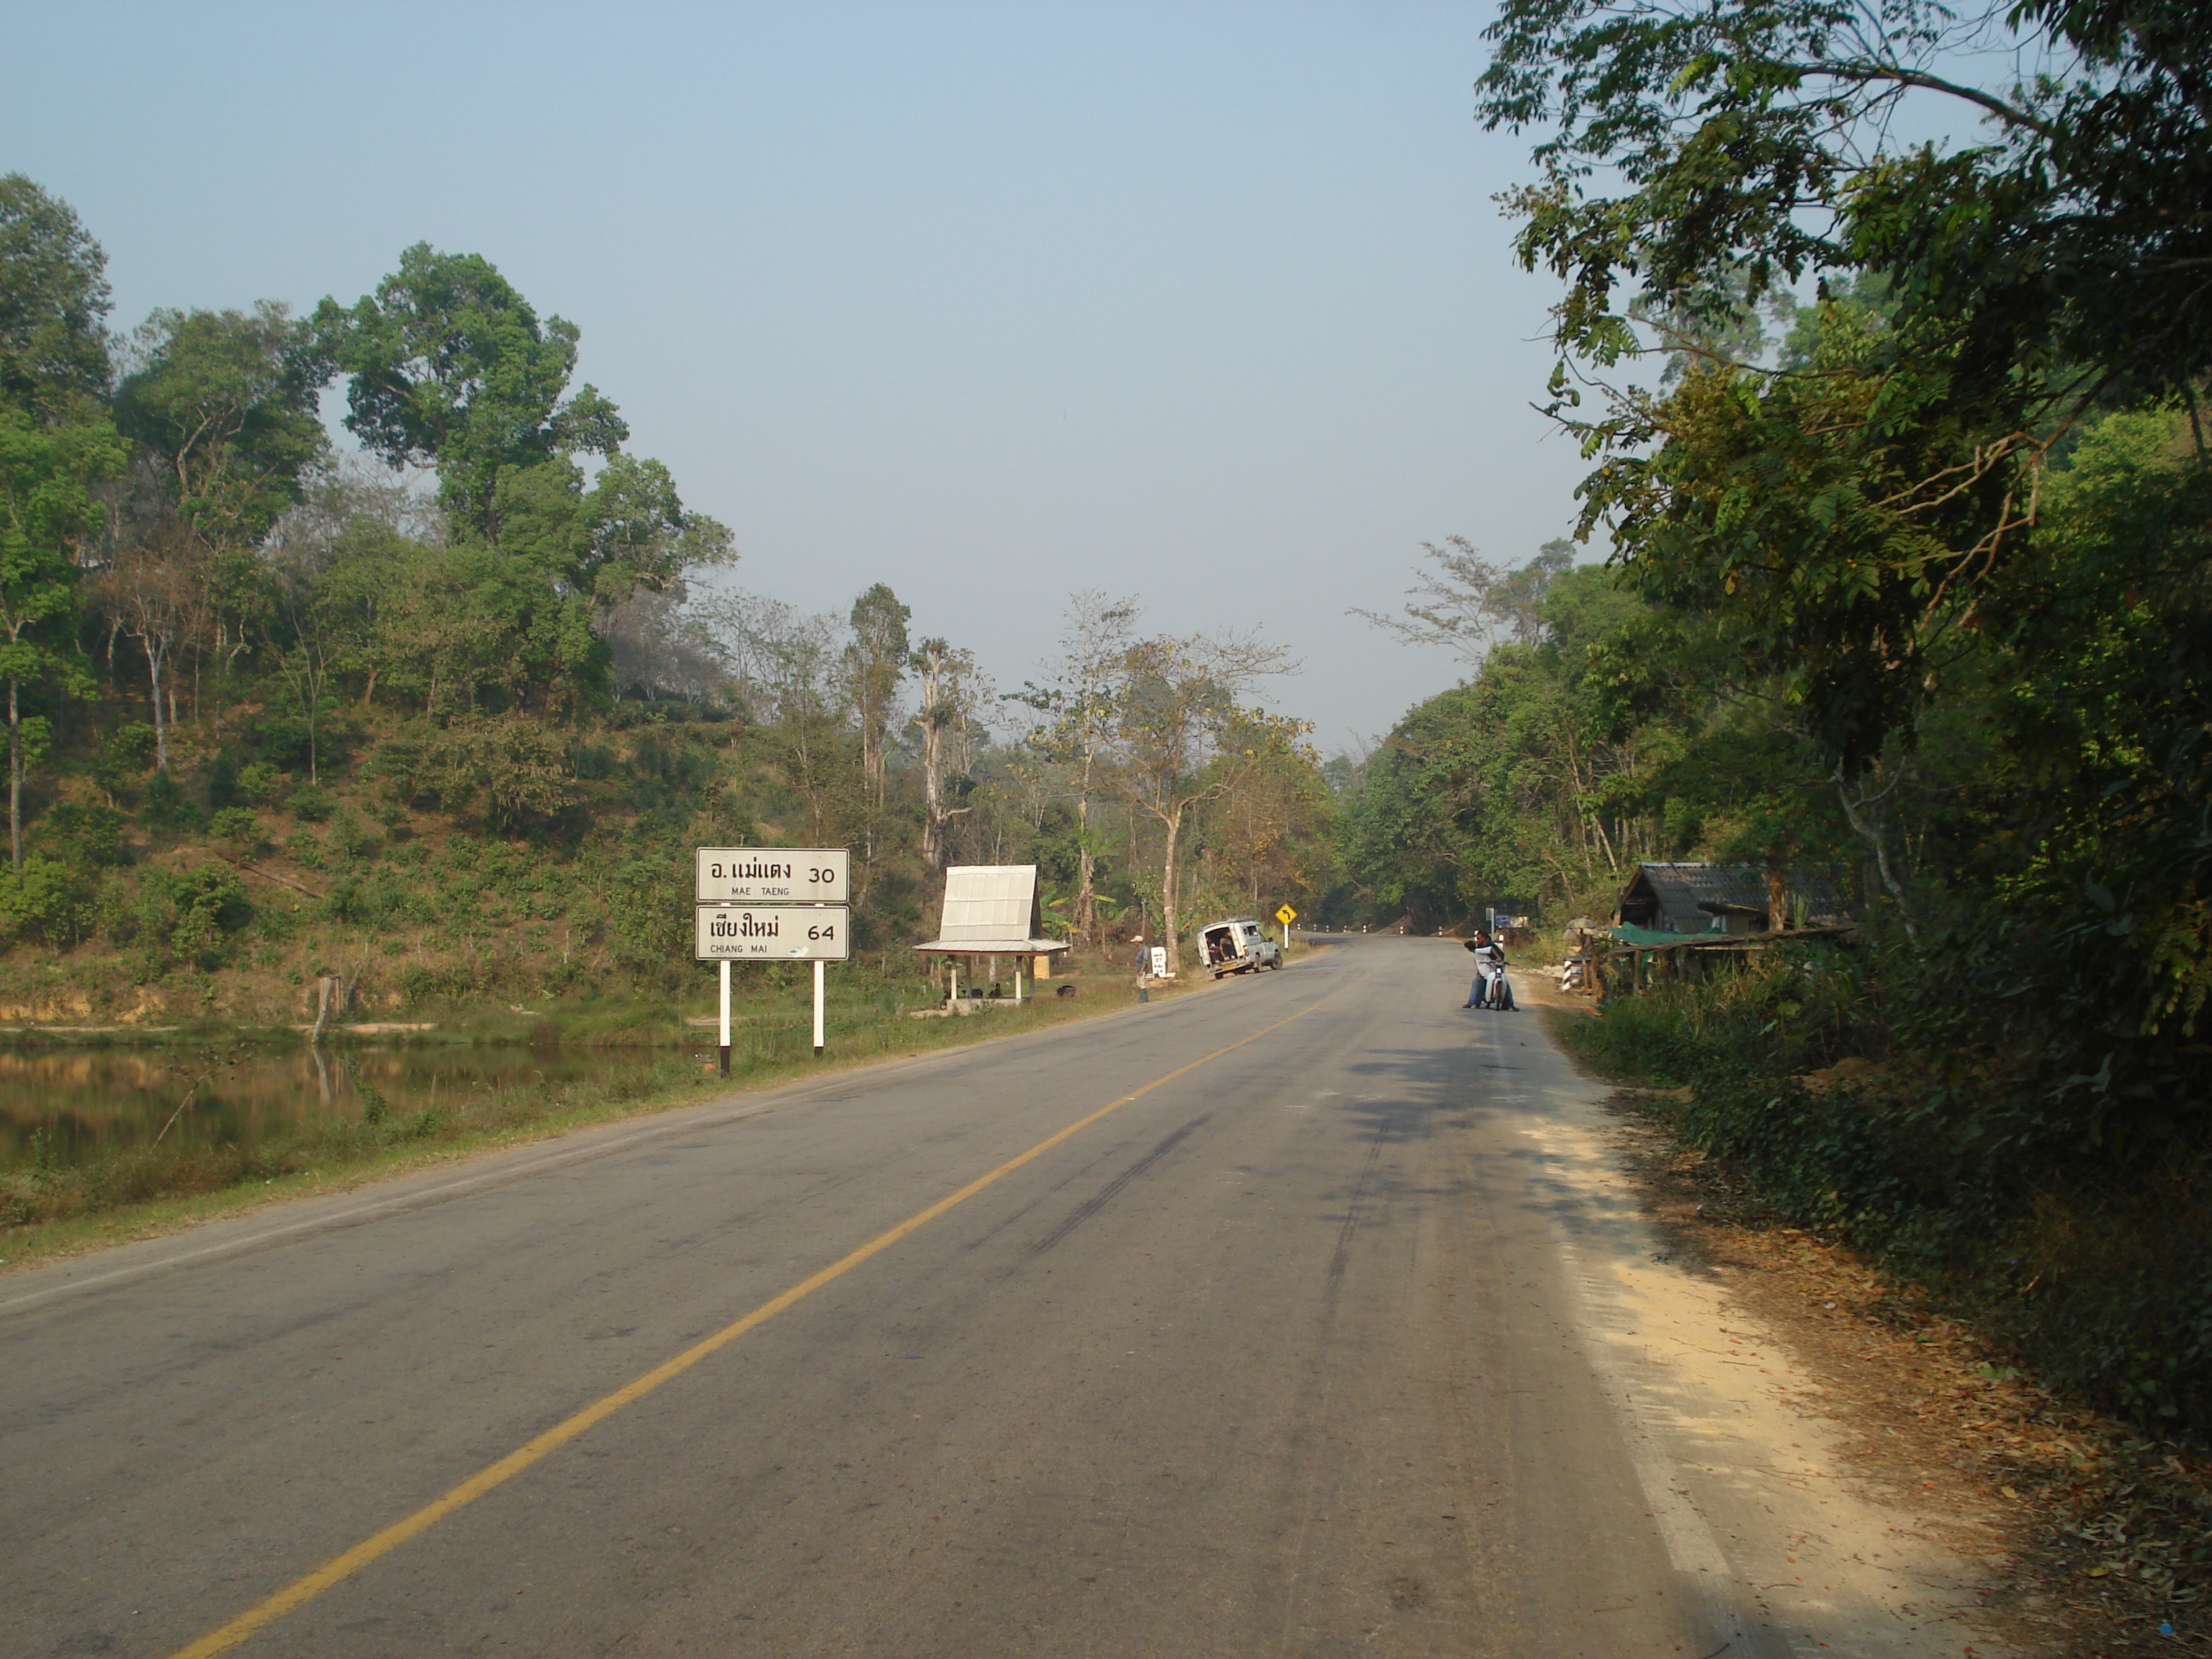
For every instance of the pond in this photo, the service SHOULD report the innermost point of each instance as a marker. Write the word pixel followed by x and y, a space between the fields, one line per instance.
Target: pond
pixel 70 1106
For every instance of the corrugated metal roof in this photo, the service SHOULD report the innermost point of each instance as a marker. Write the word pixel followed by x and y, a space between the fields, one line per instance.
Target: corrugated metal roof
pixel 1676 891
pixel 991 909
pixel 989 901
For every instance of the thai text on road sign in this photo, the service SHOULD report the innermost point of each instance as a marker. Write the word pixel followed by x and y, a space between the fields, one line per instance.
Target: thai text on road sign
pixel 1284 914
pixel 773 932
pixel 773 875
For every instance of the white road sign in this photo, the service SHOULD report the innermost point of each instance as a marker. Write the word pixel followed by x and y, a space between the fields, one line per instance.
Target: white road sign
pixel 773 932
pixel 773 875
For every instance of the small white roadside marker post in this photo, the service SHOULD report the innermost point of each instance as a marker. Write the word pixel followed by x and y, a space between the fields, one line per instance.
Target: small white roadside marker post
pixel 818 1007
pixel 725 966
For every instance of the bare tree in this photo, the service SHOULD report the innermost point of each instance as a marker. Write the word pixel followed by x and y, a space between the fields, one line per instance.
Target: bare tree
pixel 875 661
pixel 948 726
pixel 1467 603
pixel 153 590
pixel 660 649
pixel 1175 709
pixel 1078 703
pixel 784 663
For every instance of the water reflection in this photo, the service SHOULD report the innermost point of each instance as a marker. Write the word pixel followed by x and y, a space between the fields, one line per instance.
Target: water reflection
pixel 91 1100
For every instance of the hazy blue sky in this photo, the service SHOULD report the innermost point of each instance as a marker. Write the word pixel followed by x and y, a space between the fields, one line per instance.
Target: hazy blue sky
pixel 1209 304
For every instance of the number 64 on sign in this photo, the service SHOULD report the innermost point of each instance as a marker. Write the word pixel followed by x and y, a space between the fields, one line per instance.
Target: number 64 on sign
pixel 773 932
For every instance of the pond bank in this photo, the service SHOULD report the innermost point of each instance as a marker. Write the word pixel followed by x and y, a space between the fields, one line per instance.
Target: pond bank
pixel 140 1179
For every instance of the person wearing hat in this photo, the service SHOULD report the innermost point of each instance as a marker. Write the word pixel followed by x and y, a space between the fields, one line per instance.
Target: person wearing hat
pixel 1144 966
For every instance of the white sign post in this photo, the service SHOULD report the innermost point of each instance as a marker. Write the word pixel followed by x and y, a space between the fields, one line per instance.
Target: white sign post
pixel 772 904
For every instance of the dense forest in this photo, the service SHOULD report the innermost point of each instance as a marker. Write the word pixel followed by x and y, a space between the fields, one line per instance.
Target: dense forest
pixel 444 717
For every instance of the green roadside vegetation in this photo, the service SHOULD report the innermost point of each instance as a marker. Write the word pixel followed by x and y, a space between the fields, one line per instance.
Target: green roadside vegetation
pixel 1802 1074
pixel 1900 452
pixel 426 734
pixel 51 1208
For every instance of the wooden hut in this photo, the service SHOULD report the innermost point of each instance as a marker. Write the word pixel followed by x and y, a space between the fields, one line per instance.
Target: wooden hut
pixel 1727 898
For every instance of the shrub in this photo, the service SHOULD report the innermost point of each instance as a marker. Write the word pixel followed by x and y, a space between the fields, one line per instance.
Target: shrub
pixel 261 783
pixel 90 837
pixel 210 903
pixel 239 830
pixel 48 901
pixel 168 806
pixel 356 839
pixel 311 804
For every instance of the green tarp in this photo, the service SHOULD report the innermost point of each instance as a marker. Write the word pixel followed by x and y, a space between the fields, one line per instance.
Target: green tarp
pixel 1654 936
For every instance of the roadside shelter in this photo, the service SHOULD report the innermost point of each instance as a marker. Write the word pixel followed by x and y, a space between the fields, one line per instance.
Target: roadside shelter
pixel 1725 898
pixel 992 910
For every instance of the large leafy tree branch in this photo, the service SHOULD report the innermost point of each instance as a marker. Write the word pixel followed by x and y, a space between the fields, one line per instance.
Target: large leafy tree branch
pixel 452 368
pixel 1849 513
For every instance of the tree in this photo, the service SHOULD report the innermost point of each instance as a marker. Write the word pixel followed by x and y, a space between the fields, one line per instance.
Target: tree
pixel 1273 831
pixel 1466 604
pixel 1845 517
pixel 227 403
pixel 55 444
pixel 46 511
pixel 784 663
pixel 1174 714
pixel 1951 543
pixel 451 368
pixel 1078 707
pixel 53 302
pixel 875 662
pixel 152 589
pixel 953 693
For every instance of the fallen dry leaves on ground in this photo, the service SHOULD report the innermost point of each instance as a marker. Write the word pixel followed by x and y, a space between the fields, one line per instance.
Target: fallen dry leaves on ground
pixel 2101 1536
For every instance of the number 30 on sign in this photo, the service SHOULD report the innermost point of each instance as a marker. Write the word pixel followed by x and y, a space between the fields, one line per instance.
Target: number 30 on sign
pixel 773 932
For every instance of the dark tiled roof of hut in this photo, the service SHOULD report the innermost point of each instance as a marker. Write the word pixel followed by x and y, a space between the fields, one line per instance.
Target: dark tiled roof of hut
pixel 1673 896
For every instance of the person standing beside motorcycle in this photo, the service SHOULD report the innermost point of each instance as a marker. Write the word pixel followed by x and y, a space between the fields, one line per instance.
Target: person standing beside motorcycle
pixel 1488 958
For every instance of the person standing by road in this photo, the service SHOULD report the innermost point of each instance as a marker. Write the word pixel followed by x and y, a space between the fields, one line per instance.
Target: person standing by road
pixel 1144 967
pixel 1487 959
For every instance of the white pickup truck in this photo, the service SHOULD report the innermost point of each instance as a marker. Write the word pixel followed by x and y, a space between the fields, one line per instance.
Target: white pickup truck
pixel 1237 945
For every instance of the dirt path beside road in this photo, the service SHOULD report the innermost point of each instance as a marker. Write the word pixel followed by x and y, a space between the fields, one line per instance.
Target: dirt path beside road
pixel 2097 1541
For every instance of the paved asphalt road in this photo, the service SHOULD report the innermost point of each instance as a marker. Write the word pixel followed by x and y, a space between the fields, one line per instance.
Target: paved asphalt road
pixel 1277 1357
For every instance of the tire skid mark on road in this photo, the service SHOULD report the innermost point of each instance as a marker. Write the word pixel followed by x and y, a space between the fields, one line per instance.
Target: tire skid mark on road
pixel 1106 1195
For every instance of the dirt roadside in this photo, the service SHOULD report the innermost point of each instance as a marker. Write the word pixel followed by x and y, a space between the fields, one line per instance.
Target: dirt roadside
pixel 2095 1540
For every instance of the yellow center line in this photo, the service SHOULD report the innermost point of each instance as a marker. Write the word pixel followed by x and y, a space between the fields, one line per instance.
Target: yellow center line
pixel 340 1568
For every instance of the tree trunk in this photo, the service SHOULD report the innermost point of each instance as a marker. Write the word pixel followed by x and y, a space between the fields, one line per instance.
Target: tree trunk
pixel 161 728
pixel 1869 827
pixel 1168 922
pixel 1086 919
pixel 15 777
pixel 933 794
